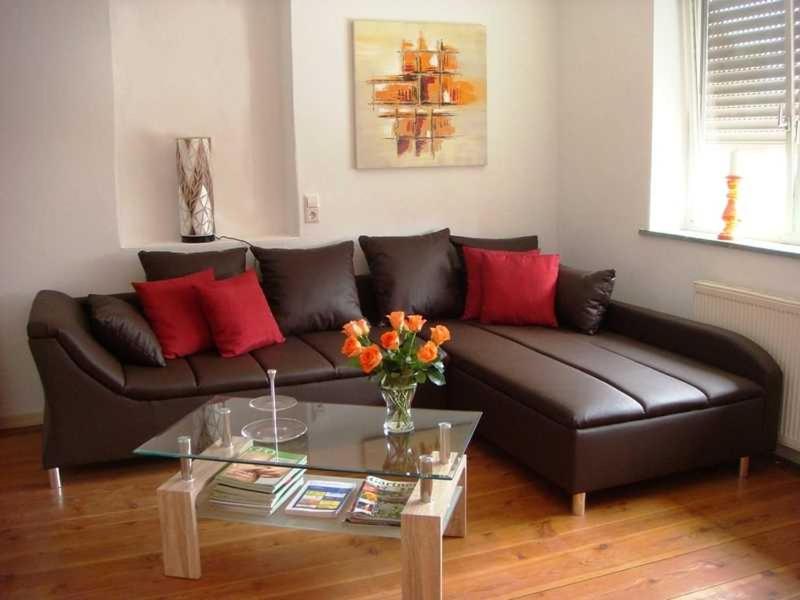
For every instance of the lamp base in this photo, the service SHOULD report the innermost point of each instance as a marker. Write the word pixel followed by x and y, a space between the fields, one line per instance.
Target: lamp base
pixel 197 239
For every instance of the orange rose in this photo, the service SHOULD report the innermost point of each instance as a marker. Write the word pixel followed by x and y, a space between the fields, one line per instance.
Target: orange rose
pixel 396 319
pixel 415 323
pixel 428 352
pixel 370 358
pixel 440 334
pixel 390 340
pixel 351 347
pixel 356 329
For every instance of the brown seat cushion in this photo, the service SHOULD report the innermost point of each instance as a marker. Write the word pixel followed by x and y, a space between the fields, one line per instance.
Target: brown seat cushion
pixel 329 345
pixel 216 375
pixel 416 274
pixel 296 362
pixel 720 387
pixel 160 265
pixel 158 383
pixel 310 289
pixel 658 393
pixel 554 389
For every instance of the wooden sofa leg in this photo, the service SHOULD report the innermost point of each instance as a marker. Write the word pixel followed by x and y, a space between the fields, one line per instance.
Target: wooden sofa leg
pixel 579 504
pixel 744 467
pixel 55 478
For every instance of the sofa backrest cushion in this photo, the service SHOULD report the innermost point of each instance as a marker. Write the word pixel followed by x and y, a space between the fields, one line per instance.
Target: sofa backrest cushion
pixel 582 297
pixel 417 274
pixel 515 244
pixel 124 331
pixel 160 265
pixel 310 289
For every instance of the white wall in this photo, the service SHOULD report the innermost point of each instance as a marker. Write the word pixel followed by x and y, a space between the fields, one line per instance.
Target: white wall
pixel 64 65
pixel 605 93
pixel 514 194
pixel 58 227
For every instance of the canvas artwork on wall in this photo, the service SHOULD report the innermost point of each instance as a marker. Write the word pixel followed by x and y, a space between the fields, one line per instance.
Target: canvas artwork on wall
pixel 420 94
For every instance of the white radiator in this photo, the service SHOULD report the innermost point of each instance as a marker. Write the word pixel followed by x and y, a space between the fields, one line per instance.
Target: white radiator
pixel 771 322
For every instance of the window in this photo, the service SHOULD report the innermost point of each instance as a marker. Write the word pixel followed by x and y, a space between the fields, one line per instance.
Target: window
pixel 745 59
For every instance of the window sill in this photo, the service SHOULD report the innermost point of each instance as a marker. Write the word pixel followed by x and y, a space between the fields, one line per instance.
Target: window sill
pixel 789 250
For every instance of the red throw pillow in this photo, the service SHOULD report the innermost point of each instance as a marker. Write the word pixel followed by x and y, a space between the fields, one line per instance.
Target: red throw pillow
pixel 173 309
pixel 473 261
pixel 238 314
pixel 520 289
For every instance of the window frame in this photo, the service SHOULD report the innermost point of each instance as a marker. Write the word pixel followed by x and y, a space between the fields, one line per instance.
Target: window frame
pixel 790 233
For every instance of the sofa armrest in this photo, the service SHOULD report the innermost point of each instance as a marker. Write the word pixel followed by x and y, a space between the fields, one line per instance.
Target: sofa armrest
pixel 708 344
pixel 58 316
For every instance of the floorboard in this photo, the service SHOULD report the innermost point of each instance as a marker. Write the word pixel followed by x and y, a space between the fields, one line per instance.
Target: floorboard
pixel 701 535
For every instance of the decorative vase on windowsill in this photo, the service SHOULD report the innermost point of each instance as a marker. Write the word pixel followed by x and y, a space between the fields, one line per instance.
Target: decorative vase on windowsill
pixel 397 362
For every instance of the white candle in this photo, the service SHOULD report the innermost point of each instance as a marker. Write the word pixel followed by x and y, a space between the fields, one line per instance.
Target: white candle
pixel 734 168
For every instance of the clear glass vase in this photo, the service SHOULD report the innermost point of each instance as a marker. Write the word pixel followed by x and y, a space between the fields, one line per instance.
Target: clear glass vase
pixel 398 400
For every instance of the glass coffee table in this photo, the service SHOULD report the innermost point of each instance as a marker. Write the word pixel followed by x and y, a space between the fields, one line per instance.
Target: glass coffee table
pixel 342 441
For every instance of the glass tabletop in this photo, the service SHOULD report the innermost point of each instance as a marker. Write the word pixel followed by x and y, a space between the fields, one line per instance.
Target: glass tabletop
pixel 340 437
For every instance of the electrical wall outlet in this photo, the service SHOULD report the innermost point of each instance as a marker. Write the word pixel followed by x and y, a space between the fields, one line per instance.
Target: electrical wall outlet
pixel 311 208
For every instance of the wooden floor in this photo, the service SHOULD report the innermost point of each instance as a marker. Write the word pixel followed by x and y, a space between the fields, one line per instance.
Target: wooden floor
pixel 702 535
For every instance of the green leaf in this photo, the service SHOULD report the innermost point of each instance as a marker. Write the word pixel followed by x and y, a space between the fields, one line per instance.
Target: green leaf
pixel 435 377
pixel 420 377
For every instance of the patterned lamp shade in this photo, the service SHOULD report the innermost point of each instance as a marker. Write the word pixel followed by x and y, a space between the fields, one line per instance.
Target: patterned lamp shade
pixel 195 189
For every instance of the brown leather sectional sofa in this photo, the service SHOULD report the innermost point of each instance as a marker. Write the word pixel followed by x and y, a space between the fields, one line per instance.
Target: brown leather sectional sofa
pixel 650 394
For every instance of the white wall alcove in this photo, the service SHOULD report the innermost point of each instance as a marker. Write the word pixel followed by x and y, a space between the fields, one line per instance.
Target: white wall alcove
pixel 218 69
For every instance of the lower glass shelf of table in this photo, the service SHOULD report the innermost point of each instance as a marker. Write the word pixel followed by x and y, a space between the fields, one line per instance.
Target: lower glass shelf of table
pixel 338 524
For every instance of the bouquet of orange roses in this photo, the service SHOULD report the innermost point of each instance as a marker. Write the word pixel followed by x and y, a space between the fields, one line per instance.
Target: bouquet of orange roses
pixel 397 362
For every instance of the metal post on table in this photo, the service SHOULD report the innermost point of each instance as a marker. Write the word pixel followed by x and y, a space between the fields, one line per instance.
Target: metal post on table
pixel 426 483
pixel 225 414
pixel 185 447
pixel 444 443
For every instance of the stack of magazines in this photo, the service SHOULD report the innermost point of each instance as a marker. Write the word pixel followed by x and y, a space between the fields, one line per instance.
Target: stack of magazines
pixel 381 501
pixel 263 487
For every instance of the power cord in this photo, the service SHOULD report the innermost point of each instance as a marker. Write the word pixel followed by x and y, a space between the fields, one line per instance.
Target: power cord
pixel 228 237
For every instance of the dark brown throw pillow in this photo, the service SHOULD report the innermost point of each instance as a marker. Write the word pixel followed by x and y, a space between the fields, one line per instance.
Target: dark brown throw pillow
pixel 416 274
pixel 310 289
pixel 160 265
pixel 582 297
pixel 119 327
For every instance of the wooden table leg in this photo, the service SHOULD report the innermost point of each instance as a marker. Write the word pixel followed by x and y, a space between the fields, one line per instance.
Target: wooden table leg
pixel 458 522
pixel 421 540
pixel 421 529
pixel 177 512
pixel 179 541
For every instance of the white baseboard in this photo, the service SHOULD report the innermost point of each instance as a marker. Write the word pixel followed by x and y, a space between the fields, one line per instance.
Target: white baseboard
pixel 789 454
pixel 23 420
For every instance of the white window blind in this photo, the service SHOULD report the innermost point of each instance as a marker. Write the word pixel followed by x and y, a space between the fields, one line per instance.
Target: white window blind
pixel 748 70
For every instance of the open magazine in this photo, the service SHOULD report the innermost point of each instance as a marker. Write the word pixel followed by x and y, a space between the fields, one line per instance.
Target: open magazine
pixel 381 501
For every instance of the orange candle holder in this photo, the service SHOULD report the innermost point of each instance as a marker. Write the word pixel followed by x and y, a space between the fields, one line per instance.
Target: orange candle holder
pixel 729 215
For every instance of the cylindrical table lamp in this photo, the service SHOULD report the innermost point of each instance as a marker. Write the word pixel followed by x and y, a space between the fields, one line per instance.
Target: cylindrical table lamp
pixel 195 189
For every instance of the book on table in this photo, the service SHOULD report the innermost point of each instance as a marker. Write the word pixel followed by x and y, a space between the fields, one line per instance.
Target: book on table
pixel 381 501
pixel 256 486
pixel 321 498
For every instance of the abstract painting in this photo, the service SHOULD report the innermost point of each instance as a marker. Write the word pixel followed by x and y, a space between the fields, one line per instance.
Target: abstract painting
pixel 420 94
